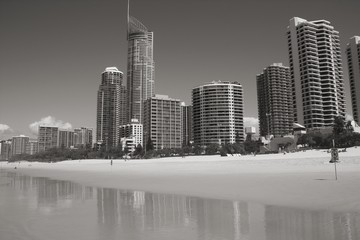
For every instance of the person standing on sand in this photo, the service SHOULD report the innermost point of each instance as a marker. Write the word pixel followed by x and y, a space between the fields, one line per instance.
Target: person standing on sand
pixel 111 162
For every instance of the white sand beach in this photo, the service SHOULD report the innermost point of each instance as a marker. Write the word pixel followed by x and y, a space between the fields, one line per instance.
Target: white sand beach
pixel 301 180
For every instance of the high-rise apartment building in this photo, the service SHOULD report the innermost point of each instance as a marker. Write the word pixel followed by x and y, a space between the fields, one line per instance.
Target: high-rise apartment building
pixel 140 68
pixel 187 127
pixel 83 137
pixel 5 152
pixel 18 144
pixel 66 139
pixel 48 137
pixel 274 100
pixel 162 122
pixel 109 110
pixel 353 59
pixel 316 72
pixel 32 147
pixel 131 135
pixel 218 113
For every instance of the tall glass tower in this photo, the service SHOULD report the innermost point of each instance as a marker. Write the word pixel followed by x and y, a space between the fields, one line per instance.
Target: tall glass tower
pixel 140 67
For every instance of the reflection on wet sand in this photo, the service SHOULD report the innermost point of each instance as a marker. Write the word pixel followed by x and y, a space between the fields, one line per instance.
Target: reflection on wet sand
pixel 140 215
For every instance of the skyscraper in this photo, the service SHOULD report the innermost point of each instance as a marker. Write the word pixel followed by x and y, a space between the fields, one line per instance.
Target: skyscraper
pixel 316 72
pixel 162 122
pixel 274 100
pixel 353 59
pixel 108 107
pixel 187 127
pixel 218 113
pixel 140 67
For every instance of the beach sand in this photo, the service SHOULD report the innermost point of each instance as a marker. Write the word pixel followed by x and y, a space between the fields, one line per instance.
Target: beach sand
pixel 301 180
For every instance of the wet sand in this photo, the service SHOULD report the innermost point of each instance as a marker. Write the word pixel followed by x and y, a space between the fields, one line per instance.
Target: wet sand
pixel 301 180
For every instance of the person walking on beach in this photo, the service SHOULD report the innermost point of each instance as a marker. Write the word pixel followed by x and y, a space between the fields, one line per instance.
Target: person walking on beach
pixel 111 162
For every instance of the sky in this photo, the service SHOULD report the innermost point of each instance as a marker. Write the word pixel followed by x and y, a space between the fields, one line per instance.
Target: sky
pixel 52 52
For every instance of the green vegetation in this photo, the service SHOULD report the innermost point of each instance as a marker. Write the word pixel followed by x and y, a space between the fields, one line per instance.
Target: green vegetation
pixel 343 135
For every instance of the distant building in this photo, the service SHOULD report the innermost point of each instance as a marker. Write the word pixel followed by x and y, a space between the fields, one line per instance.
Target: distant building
pixel 316 72
pixel 5 153
pixel 250 133
pixel 218 113
pixel 47 137
pixel 162 122
pixel 18 145
pixel 131 135
pixel 140 68
pixel 109 102
pixel 250 130
pixel 187 127
pixel 353 59
pixel 83 137
pixel 66 139
pixel 275 109
pixel 32 147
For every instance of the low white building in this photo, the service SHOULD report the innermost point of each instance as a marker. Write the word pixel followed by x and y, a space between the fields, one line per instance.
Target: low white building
pixel 131 135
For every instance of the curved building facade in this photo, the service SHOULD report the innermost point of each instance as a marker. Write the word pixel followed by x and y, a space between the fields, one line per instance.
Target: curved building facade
pixel 109 102
pixel 140 68
pixel 217 113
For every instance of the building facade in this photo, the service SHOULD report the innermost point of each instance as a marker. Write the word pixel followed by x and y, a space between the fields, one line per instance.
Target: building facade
pixel 5 152
pixel 353 59
pixel 66 139
pixel 218 113
pixel 48 137
pixel 32 147
pixel 162 122
pixel 131 135
pixel 274 100
pixel 187 127
pixel 316 72
pixel 18 144
pixel 140 68
pixel 83 137
pixel 109 117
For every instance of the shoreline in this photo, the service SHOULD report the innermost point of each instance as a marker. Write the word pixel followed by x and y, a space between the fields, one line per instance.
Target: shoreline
pixel 298 180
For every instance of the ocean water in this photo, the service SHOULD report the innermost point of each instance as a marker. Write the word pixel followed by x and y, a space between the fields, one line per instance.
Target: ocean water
pixel 37 208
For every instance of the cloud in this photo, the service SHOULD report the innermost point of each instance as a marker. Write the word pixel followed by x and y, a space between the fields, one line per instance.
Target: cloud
pixel 251 122
pixel 49 121
pixel 5 128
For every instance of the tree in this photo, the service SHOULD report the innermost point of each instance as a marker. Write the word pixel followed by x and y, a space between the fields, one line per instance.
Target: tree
pixel 198 150
pixel 237 137
pixel 238 148
pixel 349 127
pixel 338 126
pixel 149 144
pixel 212 149
pixel 139 151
